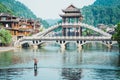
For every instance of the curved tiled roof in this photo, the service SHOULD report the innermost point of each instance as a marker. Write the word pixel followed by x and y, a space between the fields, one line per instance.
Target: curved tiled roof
pixel 71 8
pixel 4 14
pixel 71 11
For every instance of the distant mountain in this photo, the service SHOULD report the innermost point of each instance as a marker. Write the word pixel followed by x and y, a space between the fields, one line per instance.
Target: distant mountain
pixel 45 23
pixel 52 21
pixel 102 12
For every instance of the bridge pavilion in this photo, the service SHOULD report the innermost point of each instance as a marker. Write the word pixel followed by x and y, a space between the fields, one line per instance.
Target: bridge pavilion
pixel 71 15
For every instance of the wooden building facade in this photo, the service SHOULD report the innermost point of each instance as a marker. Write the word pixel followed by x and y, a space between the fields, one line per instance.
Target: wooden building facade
pixel 18 27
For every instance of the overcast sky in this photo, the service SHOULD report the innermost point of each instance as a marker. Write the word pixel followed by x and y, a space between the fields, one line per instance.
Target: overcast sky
pixel 52 8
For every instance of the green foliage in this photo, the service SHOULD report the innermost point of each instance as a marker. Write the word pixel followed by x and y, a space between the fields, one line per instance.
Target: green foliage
pixel 107 2
pixel 4 9
pixel 5 36
pixel 60 21
pixel 41 29
pixel 18 8
pixel 44 23
pixel 116 36
pixel 59 28
pixel 102 12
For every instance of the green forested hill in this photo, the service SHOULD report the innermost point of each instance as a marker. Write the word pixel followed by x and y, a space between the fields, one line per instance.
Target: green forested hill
pixel 4 9
pixel 16 8
pixel 102 12
pixel 107 2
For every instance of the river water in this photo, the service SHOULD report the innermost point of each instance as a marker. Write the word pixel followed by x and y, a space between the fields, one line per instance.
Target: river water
pixel 91 63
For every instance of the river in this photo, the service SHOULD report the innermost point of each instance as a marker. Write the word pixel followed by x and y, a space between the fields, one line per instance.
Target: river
pixel 91 63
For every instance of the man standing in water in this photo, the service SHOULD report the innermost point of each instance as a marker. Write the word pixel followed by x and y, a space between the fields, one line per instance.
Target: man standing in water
pixel 35 64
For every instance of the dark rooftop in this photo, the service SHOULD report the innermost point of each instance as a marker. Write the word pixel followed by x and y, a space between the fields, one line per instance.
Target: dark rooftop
pixel 71 8
pixel 71 11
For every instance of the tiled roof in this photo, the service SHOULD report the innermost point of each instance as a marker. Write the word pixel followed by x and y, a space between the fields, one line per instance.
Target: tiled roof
pixel 71 11
pixel 4 14
pixel 71 8
pixel 7 15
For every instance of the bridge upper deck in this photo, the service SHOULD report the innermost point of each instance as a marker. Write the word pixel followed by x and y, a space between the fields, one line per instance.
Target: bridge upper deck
pixel 71 38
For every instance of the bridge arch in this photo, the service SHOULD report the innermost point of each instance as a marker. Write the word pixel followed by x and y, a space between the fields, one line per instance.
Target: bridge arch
pixel 77 24
pixel 39 44
pixel 48 30
pixel 101 42
pixel 67 42
pixel 25 44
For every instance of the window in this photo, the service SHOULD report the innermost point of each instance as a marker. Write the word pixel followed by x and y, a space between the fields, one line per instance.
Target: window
pixel 3 18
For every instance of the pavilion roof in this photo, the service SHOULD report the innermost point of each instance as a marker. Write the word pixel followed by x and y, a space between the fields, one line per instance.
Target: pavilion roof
pixel 71 8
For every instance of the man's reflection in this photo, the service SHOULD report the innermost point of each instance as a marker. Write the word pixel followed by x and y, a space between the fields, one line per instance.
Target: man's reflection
pixel 35 72
pixel 35 66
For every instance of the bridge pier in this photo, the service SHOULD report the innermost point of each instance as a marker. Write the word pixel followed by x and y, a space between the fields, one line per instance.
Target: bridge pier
pixel 19 46
pixel 109 46
pixel 62 46
pixel 79 46
pixel 35 46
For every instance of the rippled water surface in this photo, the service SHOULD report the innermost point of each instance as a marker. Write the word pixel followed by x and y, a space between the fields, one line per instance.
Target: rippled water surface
pixel 93 63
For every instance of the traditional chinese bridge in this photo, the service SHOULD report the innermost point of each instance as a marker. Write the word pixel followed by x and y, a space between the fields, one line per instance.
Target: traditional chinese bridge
pixel 72 31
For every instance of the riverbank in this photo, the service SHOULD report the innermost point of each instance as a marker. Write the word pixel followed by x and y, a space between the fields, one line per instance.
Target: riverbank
pixel 3 49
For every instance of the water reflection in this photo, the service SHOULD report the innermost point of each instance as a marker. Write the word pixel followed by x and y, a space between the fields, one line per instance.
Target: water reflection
pixel 71 73
pixel 106 74
pixel 71 58
pixel 35 72
pixel 6 58
pixel 9 74
pixel 88 64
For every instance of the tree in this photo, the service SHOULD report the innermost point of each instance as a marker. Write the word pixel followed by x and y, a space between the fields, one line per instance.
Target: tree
pixel 116 35
pixel 102 12
pixel 5 36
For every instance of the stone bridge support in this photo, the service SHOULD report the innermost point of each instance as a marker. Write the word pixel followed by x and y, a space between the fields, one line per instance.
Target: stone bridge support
pixel 19 46
pixel 79 45
pixel 109 44
pixel 35 46
pixel 62 47
pixel 62 44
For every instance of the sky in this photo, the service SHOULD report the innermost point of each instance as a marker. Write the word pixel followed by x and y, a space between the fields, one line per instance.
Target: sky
pixel 51 9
